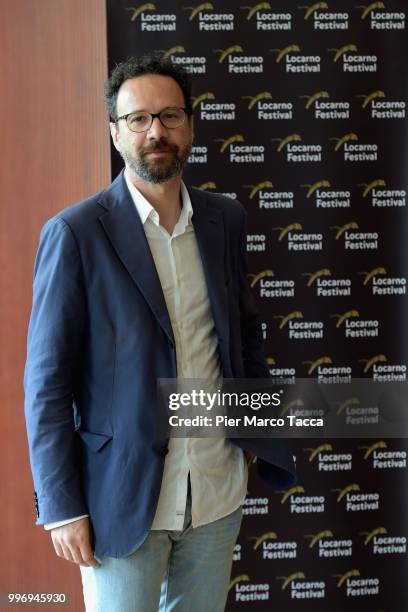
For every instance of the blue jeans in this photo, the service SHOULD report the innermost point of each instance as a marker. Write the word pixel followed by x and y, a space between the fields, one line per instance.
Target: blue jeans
pixel 173 571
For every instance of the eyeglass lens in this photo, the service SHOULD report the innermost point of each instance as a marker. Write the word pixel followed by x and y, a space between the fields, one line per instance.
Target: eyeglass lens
pixel 169 117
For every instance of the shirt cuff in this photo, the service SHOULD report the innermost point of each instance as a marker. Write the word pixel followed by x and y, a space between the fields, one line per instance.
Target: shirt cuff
pixel 65 522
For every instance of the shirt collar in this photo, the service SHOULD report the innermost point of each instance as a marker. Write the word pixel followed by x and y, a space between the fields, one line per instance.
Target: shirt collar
pixel 147 211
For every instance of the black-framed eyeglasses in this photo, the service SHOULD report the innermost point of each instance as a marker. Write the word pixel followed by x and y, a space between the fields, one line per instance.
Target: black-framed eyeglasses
pixel 141 121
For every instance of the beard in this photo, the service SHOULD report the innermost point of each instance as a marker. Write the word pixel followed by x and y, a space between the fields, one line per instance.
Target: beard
pixel 158 170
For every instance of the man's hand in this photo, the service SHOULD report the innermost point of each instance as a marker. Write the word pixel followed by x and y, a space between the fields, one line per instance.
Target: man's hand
pixel 73 542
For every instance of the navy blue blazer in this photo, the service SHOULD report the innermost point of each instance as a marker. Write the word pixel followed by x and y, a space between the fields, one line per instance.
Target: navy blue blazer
pixel 100 337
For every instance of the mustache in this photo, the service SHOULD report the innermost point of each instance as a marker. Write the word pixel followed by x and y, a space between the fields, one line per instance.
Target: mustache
pixel 159 145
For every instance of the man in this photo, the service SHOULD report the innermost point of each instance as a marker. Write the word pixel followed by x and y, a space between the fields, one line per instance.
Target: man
pixel 144 280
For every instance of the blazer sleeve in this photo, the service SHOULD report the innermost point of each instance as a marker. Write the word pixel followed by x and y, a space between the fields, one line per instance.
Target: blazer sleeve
pixel 251 325
pixel 53 355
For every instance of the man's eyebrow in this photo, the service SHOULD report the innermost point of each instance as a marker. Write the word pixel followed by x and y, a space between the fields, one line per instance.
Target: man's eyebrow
pixel 144 110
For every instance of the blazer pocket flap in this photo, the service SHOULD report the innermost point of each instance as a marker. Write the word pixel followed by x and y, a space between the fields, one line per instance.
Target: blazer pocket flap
pixel 95 441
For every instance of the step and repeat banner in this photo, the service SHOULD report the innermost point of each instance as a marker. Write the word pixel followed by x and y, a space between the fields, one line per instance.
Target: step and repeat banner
pixel 300 114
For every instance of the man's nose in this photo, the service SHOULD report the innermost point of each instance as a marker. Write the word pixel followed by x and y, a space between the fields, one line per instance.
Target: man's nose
pixel 157 129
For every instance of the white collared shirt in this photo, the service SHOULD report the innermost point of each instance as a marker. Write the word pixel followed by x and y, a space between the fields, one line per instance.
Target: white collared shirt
pixel 218 470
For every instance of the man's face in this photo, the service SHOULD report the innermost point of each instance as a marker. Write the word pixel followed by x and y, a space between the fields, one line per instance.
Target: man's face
pixel 159 154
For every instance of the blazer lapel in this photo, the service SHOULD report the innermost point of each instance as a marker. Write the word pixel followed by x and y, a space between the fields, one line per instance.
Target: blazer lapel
pixel 125 231
pixel 208 225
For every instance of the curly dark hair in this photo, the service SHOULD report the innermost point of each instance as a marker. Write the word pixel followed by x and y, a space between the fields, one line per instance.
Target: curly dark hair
pixel 152 63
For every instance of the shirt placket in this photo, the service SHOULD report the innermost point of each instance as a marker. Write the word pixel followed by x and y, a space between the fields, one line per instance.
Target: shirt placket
pixel 182 369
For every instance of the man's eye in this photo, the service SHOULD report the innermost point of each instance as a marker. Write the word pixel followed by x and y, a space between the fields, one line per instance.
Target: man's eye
pixel 170 115
pixel 138 119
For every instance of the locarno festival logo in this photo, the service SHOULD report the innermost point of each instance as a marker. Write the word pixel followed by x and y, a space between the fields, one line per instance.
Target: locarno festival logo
pixel 355 585
pixel 354 326
pixel 357 501
pixel 296 151
pixel 323 18
pixel 352 61
pixel 267 19
pixel 245 590
pixel 382 371
pixel 355 240
pixel 380 18
pixel 298 328
pixel 353 413
pixel 381 543
pixel 295 61
pixel 271 546
pixel 382 458
pixel 324 108
pixel 268 197
pixel 325 196
pixel 271 287
pixel 150 20
pixel 239 152
pixel 381 197
pixel 326 285
pixel 194 64
pixel 328 373
pixel 328 546
pixel 212 110
pixel 267 109
pixel 238 62
pixel 354 151
pixel 299 587
pixel 297 239
pixel 208 19
pixel 380 107
pixel 301 503
pixel 327 460
pixel 382 283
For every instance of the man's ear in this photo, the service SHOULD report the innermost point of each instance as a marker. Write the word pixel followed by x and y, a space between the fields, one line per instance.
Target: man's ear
pixel 114 130
pixel 191 119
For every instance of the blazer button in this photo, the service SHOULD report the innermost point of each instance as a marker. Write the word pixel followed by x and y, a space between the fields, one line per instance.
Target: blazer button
pixel 161 450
